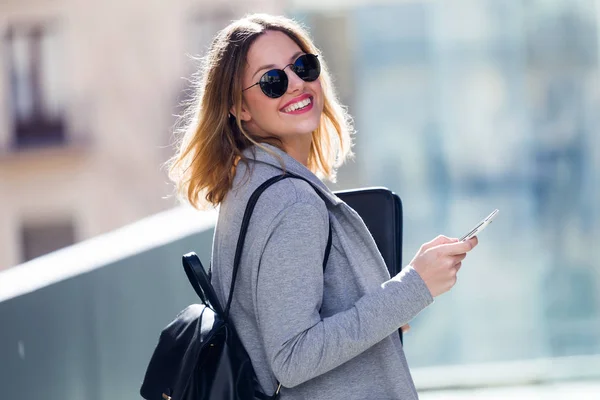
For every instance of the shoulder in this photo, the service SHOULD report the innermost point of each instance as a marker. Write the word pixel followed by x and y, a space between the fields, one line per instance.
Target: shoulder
pixel 293 197
pixel 290 191
pixel 280 196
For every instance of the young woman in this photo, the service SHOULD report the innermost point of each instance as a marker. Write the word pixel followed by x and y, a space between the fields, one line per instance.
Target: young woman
pixel 266 105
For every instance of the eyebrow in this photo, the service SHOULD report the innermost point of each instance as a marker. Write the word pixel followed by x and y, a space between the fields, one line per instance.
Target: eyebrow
pixel 269 66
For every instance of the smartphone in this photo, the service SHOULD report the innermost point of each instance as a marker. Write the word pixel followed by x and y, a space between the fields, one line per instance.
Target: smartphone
pixel 480 226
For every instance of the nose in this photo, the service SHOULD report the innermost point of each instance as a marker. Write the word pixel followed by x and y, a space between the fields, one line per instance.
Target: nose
pixel 295 84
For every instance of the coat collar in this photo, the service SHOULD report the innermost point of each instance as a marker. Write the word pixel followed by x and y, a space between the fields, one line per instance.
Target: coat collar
pixel 257 154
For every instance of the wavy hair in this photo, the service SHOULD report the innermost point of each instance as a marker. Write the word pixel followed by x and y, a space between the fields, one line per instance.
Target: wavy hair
pixel 212 141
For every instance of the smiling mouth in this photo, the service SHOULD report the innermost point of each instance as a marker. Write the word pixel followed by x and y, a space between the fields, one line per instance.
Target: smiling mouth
pixel 302 104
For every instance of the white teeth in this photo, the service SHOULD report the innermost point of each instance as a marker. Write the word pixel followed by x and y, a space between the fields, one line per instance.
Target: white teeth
pixel 297 106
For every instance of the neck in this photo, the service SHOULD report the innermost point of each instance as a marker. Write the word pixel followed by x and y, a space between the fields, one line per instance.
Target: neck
pixel 299 148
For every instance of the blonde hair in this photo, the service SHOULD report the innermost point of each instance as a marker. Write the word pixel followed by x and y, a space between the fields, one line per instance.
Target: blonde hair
pixel 212 141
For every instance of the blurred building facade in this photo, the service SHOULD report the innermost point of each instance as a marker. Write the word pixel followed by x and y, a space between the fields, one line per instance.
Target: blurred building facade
pixel 88 91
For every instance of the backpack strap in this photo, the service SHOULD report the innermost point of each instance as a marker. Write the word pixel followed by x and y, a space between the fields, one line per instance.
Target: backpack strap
pixel 246 221
pixel 328 248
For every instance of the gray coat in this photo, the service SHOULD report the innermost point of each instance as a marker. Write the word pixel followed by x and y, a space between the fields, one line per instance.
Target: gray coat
pixel 348 350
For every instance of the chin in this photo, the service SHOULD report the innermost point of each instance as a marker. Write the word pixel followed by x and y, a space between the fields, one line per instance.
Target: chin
pixel 307 127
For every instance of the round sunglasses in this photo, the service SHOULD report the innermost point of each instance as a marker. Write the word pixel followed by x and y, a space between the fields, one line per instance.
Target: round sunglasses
pixel 274 83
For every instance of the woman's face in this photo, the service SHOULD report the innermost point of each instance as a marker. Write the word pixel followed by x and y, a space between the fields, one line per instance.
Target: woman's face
pixel 265 116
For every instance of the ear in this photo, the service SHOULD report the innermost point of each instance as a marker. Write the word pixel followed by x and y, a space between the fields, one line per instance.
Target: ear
pixel 244 113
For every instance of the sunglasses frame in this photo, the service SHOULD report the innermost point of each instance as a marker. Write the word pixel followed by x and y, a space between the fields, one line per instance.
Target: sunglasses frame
pixel 282 70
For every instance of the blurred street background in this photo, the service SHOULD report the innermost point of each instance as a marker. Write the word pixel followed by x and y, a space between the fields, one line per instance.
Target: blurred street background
pixel 461 107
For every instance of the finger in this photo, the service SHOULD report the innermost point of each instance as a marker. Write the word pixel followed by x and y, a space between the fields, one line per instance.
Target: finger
pixel 441 239
pixel 450 261
pixel 457 266
pixel 474 240
pixel 459 258
pixel 405 328
pixel 453 261
pixel 457 248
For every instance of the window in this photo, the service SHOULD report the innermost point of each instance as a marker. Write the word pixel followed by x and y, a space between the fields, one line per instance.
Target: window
pixel 33 53
pixel 42 238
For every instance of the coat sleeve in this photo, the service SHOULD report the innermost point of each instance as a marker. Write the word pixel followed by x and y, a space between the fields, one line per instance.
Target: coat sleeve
pixel 299 344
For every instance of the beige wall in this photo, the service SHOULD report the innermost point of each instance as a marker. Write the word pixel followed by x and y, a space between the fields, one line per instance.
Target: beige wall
pixel 123 64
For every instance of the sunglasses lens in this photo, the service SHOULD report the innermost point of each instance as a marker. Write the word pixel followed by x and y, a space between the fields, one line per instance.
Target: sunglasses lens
pixel 307 67
pixel 274 83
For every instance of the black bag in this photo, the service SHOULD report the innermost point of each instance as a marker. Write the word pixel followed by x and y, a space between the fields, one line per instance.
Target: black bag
pixel 381 210
pixel 199 355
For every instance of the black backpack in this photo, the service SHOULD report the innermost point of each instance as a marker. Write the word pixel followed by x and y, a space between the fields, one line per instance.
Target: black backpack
pixel 199 355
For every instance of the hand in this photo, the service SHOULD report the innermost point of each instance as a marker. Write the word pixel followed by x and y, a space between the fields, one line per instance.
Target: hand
pixel 439 260
pixel 405 328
